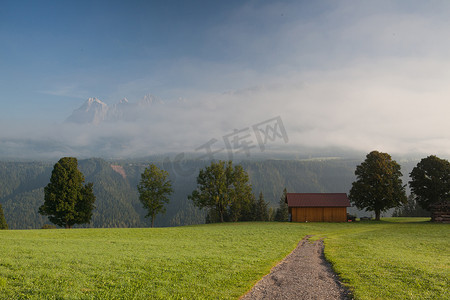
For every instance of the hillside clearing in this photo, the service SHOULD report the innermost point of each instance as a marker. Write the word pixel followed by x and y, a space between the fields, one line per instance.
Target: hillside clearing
pixel 383 260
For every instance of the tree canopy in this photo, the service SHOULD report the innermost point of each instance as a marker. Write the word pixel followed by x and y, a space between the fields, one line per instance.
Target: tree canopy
pixel 224 190
pixel 378 186
pixel 66 201
pixel 3 224
pixel 430 181
pixel 154 190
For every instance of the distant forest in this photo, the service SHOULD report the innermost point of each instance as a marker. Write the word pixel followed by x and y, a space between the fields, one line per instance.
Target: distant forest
pixel 115 187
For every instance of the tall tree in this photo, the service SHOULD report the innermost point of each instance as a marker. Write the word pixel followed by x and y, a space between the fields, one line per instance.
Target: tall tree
pixel 379 185
pixel 261 212
pixel 3 224
pixel 221 187
pixel 154 191
pixel 249 213
pixel 66 201
pixel 241 194
pixel 430 181
pixel 86 206
pixel 282 213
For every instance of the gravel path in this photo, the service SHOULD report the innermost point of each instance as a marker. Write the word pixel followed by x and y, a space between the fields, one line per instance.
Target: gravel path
pixel 303 274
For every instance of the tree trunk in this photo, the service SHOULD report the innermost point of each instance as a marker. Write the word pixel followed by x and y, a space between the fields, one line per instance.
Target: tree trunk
pixel 153 220
pixel 377 215
pixel 221 216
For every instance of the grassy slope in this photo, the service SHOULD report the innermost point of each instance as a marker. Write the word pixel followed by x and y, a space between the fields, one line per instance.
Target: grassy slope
pixel 378 259
pixel 215 261
pixel 401 260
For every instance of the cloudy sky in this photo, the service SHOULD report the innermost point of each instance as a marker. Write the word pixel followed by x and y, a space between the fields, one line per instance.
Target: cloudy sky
pixel 358 75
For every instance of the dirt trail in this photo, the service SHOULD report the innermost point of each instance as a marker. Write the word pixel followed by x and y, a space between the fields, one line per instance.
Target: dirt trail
pixel 303 274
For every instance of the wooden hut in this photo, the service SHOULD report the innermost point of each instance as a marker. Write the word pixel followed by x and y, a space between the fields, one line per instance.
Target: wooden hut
pixel 317 207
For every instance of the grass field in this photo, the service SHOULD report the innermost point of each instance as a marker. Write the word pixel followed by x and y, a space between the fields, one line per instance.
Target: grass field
pixel 395 259
pixel 402 258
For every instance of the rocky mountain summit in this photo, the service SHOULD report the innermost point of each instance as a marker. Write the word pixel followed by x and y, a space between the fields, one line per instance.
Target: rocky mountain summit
pixel 94 111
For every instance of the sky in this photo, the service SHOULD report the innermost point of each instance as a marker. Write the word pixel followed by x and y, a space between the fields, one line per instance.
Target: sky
pixel 355 75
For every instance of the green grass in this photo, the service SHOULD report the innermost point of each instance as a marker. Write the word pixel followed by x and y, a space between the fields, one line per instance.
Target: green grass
pixel 215 261
pixel 387 260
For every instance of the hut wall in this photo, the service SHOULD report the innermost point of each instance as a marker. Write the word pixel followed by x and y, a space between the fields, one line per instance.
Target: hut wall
pixel 319 214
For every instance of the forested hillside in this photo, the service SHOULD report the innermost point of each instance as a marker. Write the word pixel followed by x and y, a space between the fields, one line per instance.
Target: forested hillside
pixel 117 205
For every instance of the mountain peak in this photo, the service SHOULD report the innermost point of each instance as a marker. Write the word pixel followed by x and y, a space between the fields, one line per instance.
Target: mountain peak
pixel 150 100
pixel 95 100
pixel 124 101
pixel 92 111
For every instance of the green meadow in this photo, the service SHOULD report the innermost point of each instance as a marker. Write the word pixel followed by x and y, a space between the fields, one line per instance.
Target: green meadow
pixel 400 258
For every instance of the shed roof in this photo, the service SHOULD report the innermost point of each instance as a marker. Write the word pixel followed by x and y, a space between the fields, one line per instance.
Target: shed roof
pixel 317 200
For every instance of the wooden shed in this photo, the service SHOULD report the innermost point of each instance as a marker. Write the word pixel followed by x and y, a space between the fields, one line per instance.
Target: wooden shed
pixel 317 207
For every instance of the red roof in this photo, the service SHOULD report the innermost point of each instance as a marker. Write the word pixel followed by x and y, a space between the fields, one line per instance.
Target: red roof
pixel 317 200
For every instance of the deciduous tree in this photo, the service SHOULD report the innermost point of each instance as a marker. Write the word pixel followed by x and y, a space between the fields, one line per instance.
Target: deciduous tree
pixel 154 191
pixel 430 181
pixel 66 201
pixel 378 186
pixel 224 189
pixel 241 194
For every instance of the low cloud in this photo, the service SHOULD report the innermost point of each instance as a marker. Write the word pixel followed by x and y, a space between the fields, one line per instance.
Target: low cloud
pixel 361 108
pixel 350 76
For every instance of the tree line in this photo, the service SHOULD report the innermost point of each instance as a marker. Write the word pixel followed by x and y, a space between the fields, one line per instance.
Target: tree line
pixel 379 186
pixel 224 191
